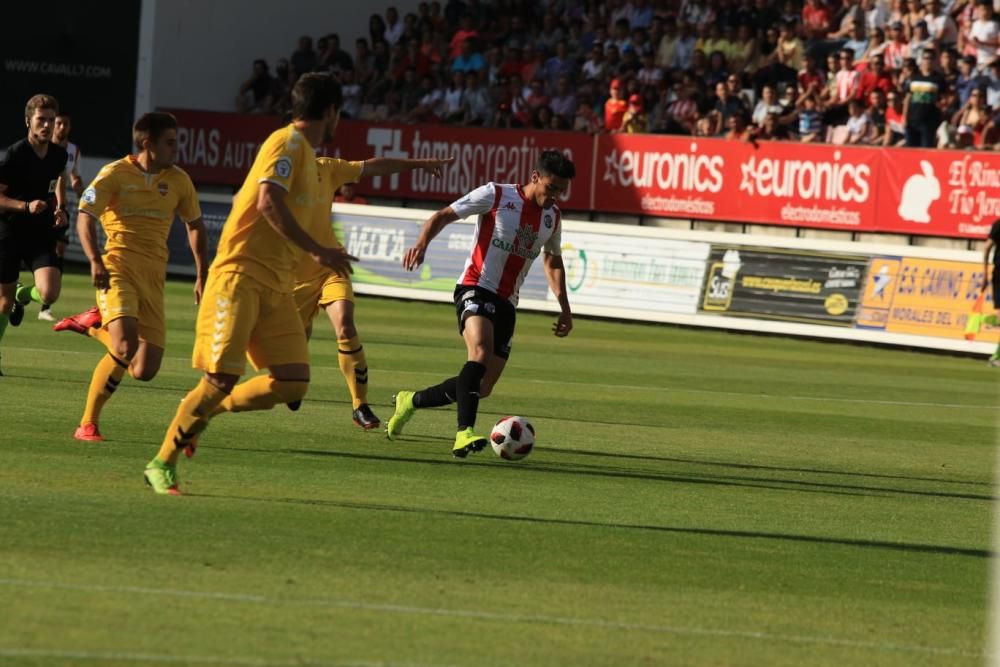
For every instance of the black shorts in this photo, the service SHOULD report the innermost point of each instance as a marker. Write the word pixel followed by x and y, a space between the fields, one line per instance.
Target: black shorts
pixel 471 301
pixel 26 251
pixel 996 286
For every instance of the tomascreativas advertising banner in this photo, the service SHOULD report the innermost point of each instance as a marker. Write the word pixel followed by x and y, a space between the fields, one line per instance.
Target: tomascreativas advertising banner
pixel 781 284
pixel 926 297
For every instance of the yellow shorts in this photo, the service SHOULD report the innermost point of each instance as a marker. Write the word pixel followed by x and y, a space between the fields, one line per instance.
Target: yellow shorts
pixel 241 318
pixel 320 292
pixel 135 291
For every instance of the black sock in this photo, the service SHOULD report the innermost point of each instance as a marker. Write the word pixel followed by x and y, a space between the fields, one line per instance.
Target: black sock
pixel 438 395
pixel 468 393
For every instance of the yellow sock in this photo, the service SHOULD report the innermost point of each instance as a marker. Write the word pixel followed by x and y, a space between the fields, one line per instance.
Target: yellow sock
pixel 354 366
pixel 100 334
pixel 109 372
pixel 191 419
pixel 262 393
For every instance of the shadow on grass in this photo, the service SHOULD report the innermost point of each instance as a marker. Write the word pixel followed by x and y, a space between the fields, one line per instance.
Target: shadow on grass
pixel 685 478
pixel 708 532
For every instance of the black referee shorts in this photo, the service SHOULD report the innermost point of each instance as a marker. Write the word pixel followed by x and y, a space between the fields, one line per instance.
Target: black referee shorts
pixel 26 251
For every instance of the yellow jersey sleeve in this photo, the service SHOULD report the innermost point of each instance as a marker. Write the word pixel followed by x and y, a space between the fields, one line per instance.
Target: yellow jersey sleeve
pixel 188 206
pixel 282 163
pixel 99 194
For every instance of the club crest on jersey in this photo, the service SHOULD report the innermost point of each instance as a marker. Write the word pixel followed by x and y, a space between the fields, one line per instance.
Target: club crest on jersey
pixel 527 236
pixel 162 189
pixel 548 221
pixel 89 196
pixel 283 167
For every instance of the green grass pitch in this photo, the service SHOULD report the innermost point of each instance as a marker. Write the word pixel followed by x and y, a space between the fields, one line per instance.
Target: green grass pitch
pixel 695 498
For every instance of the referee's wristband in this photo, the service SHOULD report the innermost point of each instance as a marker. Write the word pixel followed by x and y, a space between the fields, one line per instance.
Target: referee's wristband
pixel 25 209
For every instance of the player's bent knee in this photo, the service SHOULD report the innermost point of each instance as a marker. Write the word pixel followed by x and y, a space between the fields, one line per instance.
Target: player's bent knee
pixel 142 373
pixel 6 305
pixel 290 391
pixel 49 295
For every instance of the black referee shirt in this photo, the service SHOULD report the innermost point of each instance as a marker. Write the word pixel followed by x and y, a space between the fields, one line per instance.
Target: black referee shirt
pixel 29 177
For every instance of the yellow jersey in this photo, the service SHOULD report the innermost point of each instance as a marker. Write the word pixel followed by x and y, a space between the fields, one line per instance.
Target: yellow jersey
pixel 249 245
pixel 332 174
pixel 136 209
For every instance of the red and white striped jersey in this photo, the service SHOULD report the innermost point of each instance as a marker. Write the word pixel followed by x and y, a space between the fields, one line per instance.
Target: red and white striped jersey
pixel 511 232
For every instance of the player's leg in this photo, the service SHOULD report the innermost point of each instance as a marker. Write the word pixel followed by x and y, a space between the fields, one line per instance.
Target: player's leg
pixel 478 336
pixel 503 339
pixel 45 266
pixel 353 365
pixel 992 320
pixel 45 312
pixel 123 333
pixel 7 288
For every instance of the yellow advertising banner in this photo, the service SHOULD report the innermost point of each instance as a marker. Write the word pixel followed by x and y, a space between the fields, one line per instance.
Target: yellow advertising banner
pixel 925 297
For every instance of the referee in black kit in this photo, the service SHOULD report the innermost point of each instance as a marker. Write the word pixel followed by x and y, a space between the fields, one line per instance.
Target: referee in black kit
pixel 32 213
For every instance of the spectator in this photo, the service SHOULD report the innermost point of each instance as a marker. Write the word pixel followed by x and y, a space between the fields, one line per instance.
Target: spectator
pixel 974 117
pixel 737 129
pixel 257 93
pixel 452 98
pixel 477 104
pixel 393 26
pixel 920 106
pixel 857 43
pixel 920 40
pixel 504 117
pixel 896 50
pixel 536 65
pixel 790 49
pixel 347 194
pixel 984 34
pixel 877 116
pixel 941 26
pixel 667 45
pixel 876 15
pixel 848 79
pixel 850 15
pixel 413 58
pixel 351 89
pixel 511 63
pixel 615 106
pixel 428 109
pixel 744 58
pixel 771 129
pixel 409 89
pixel 858 123
pixel 304 58
pixel 634 121
pixel 620 35
pixel 468 60
pixel 895 126
pixel 376 29
pixel 768 104
pixel 364 63
pixel 649 74
pixel 948 62
pixel 595 66
pixel 640 14
pixel 558 66
pixel 564 101
pixel 876 45
pixel 682 114
pixel 684 50
pixel 875 78
pixel 810 119
pixel 536 96
pixel 968 78
pixel 585 119
pixel 816 20
pixel 333 56
pixel 465 32
pixel 541 118
pixel 914 14
pixel 432 46
pixel 552 32
pixel 992 81
pixel 811 79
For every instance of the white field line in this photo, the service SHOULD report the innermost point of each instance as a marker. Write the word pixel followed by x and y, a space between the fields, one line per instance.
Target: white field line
pixel 646 388
pixel 124 656
pixel 690 631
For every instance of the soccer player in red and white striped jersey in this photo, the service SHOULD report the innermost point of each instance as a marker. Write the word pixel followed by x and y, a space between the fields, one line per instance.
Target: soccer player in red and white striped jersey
pixel 517 223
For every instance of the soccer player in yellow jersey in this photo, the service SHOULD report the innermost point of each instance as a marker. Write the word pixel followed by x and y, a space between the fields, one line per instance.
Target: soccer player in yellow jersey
pixel 248 309
pixel 136 199
pixel 317 287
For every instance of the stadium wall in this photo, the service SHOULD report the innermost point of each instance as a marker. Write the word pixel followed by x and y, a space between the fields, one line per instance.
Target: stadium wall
pixel 862 292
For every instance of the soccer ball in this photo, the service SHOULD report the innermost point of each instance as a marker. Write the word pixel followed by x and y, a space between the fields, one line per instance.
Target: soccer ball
pixel 512 438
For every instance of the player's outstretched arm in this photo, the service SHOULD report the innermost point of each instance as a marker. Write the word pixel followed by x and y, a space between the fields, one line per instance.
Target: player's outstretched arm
pixel 387 166
pixel 86 230
pixel 271 205
pixel 555 274
pixel 414 257
pixel 198 240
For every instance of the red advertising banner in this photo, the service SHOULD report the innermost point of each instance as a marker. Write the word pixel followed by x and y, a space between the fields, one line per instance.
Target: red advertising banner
pixel 802 185
pixel 921 192
pixel 940 193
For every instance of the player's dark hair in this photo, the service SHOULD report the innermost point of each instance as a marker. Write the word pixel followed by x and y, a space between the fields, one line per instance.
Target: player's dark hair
pixel 64 114
pixel 555 163
pixel 151 126
pixel 40 102
pixel 313 94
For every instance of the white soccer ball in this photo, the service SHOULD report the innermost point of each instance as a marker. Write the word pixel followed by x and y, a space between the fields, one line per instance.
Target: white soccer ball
pixel 512 438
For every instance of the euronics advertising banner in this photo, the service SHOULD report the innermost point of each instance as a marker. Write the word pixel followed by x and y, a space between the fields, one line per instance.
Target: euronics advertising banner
pixel 781 284
pixel 926 297
pixel 604 270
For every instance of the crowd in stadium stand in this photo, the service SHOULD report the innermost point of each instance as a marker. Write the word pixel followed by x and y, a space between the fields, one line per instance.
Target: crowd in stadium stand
pixel 878 72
